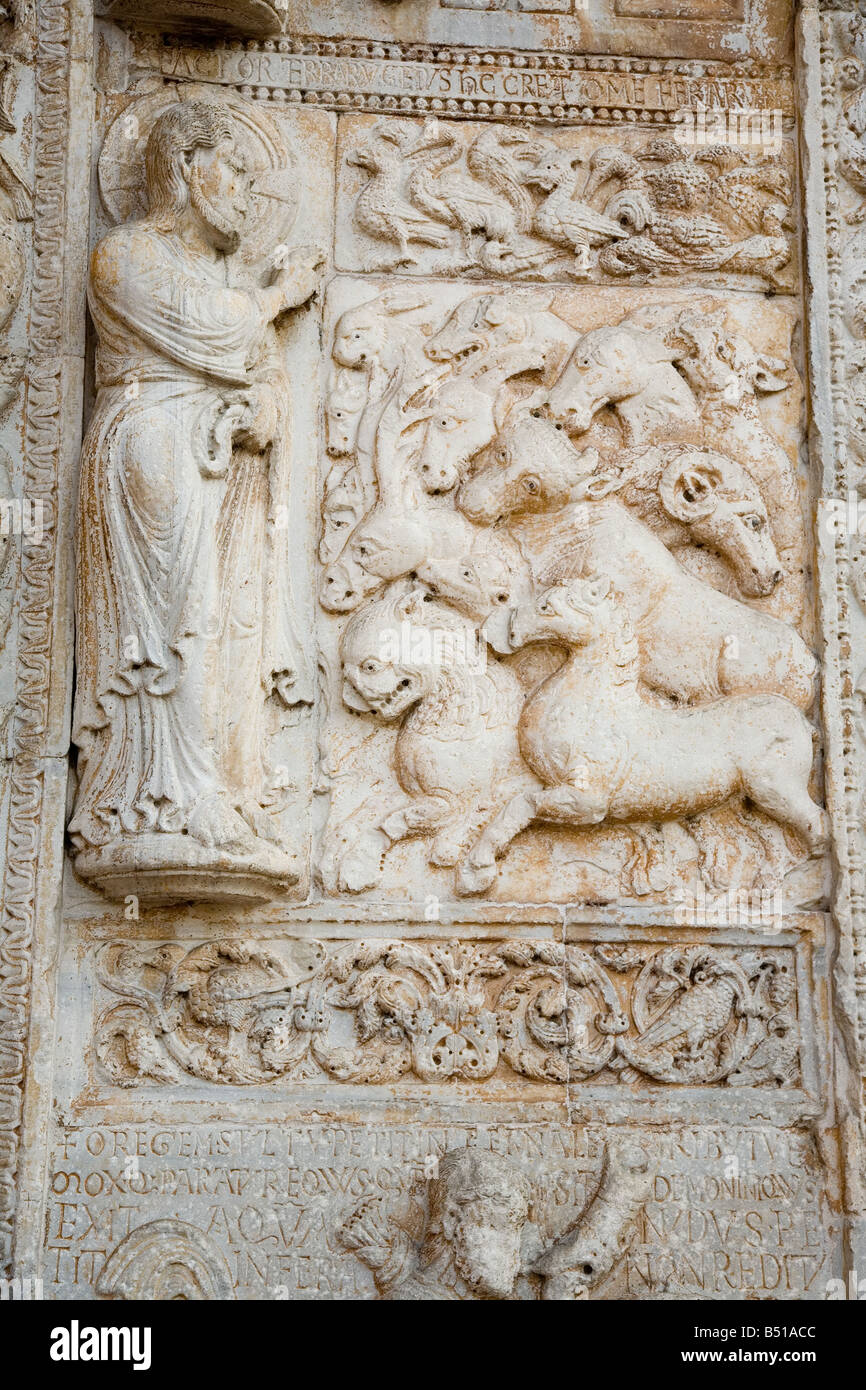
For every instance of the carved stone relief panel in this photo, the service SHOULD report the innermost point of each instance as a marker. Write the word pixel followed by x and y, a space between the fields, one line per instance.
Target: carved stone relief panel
pixel 463 809
pixel 493 1014
pixel 471 1210
pixel 487 454
pixel 530 203
pixel 195 676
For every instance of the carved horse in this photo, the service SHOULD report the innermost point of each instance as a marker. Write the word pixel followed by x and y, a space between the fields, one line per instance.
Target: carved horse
pixel 604 754
pixel 632 369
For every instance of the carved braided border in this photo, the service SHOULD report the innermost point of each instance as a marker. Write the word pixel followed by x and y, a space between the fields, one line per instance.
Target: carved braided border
pixel 855 878
pixel 43 430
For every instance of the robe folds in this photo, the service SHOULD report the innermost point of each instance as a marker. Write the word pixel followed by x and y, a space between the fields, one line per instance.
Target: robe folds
pixel 183 609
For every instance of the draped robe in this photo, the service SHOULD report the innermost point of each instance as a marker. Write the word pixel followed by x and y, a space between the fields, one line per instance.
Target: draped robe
pixel 184 616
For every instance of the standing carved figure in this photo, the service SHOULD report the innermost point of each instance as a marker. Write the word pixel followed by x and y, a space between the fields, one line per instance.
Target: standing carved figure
pixel 184 619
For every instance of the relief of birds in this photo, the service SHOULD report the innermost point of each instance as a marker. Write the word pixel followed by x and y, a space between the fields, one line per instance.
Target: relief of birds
pixel 487 204
pixel 491 160
pixel 563 218
pixel 708 994
pixel 382 209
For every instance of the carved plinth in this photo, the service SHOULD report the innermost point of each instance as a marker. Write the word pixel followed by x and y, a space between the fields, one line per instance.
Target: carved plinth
pixel 253 17
pixel 163 869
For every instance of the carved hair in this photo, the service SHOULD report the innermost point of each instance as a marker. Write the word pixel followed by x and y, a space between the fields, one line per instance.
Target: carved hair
pixel 474 1175
pixel 182 128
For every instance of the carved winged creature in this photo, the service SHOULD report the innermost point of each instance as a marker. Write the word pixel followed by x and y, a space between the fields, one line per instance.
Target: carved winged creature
pixel 489 204
pixel 702 212
pixel 563 218
pixel 707 995
pixel 383 209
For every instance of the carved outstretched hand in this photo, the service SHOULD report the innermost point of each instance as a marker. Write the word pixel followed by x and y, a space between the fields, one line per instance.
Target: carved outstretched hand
pixel 299 278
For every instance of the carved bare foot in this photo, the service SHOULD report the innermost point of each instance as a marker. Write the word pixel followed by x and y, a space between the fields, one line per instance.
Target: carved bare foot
pixel 214 824
pixel 261 824
pixel 475 878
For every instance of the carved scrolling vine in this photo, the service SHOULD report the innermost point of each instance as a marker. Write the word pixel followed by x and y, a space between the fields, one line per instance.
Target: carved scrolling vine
pixel 244 1013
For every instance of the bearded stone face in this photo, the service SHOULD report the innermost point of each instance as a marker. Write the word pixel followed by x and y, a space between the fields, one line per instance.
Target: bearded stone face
pixel 218 191
pixel 485 1243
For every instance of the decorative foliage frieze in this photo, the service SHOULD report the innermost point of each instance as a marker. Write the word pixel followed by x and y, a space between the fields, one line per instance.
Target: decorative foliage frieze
pixel 243 1013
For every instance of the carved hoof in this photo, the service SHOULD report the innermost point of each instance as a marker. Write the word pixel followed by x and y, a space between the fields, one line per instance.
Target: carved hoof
pixel 358 872
pixel 444 853
pixel 475 879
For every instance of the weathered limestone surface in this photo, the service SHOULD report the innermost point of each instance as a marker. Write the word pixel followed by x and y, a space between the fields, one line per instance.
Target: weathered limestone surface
pixel 433 632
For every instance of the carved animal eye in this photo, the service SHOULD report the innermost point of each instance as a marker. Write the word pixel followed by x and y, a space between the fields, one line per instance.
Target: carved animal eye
pixel 584 363
pixel 688 494
pixel 755 523
pixel 370 666
pixel 530 485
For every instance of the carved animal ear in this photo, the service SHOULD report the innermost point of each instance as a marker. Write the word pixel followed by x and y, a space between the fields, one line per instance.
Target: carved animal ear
pixel 423 398
pixel 770 374
pixel 688 489
pixel 411 605
pixel 600 485
pixel 679 336
pixel 401 301
pixel 501 407
pixel 496 310
pixel 582 462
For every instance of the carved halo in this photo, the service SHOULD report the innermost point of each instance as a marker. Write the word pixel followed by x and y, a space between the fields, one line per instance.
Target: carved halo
pixel 274 185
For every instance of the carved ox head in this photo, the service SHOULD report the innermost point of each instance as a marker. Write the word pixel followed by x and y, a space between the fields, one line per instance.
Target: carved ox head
pixel 717 362
pixel 535 468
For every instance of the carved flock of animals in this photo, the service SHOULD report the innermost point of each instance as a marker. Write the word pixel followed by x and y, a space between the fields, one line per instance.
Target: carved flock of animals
pixel 506 201
pixel 610 505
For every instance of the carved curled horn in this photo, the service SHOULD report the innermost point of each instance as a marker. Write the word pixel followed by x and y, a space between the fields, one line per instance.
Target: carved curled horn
pixel 688 490
pixel 769 374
